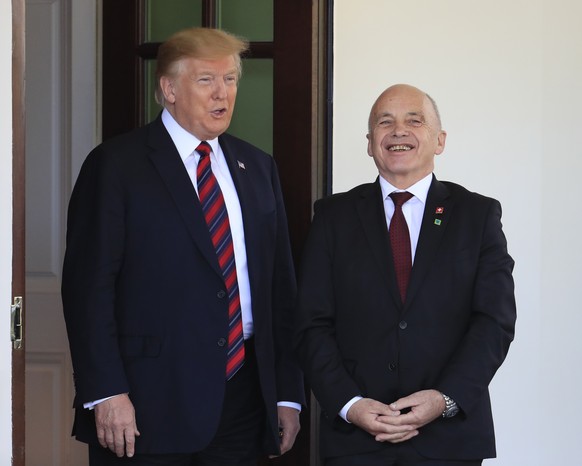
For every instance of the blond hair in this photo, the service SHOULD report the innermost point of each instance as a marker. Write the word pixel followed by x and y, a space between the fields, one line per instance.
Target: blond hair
pixel 203 43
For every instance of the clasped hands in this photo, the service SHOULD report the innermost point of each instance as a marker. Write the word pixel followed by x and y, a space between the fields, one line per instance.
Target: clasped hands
pixel 388 423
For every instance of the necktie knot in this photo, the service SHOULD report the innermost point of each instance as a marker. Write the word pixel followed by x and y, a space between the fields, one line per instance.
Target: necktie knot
pixel 203 149
pixel 400 198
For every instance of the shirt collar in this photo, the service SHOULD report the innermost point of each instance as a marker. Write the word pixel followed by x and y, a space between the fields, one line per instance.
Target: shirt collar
pixel 418 189
pixel 185 142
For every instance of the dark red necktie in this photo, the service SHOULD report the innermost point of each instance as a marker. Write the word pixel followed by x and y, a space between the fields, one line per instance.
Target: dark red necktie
pixel 217 220
pixel 400 242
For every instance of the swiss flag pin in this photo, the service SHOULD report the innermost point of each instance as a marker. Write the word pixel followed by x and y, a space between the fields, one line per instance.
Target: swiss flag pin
pixel 439 210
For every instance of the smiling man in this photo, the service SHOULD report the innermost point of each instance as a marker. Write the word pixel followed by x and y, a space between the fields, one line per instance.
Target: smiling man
pixel 178 281
pixel 404 135
pixel 406 304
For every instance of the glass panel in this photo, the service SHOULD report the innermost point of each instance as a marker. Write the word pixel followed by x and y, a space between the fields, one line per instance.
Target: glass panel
pixel 164 17
pixel 252 19
pixel 253 114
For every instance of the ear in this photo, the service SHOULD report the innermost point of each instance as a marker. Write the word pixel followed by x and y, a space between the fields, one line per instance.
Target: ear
pixel 167 87
pixel 370 153
pixel 441 138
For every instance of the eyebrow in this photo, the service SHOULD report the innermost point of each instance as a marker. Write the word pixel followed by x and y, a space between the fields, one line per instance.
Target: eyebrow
pixel 212 72
pixel 388 114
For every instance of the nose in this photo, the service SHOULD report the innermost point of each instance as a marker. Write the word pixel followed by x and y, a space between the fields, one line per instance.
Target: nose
pixel 399 129
pixel 219 89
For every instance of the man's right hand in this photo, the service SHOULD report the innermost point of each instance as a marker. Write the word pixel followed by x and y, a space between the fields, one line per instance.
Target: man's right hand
pixel 116 426
pixel 364 413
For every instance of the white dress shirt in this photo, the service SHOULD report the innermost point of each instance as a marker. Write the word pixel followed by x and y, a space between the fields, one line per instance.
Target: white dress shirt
pixel 413 211
pixel 186 143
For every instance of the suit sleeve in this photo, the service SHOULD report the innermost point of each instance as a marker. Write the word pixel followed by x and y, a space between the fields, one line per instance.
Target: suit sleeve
pixel 491 327
pixel 94 255
pixel 315 340
pixel 289 376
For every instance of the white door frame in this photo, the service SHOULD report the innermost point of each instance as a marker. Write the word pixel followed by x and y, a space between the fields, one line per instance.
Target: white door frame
pixel 5 231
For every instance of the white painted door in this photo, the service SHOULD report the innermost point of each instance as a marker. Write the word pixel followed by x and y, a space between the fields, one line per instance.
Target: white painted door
pixel 61 45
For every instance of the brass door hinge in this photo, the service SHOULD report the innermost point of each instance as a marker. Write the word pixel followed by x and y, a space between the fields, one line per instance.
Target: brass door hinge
pixel 16 323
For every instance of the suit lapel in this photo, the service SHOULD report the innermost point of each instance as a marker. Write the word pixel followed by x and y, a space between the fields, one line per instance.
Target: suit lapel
pixel 169 165
pixel 437 212
pixel 242 177
pixel 371 211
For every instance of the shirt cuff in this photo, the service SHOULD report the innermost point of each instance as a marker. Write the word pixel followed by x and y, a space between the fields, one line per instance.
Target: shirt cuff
pixel 91 404
pixel 344 411
pixel 290 404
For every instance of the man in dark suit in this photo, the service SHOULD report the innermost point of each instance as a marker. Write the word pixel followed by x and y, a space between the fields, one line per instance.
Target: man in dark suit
pixel 400 337
pixel 178 281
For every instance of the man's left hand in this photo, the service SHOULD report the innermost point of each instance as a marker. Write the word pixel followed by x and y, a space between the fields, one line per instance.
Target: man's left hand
pixel 288 427
pixel 425 406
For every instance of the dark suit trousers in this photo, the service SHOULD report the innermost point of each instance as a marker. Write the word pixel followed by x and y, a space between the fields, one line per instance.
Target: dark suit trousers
pixel 394 455
pixel 238 441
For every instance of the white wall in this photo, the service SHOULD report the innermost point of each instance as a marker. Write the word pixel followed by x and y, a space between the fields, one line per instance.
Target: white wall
pixel 507 75
pixel 5 231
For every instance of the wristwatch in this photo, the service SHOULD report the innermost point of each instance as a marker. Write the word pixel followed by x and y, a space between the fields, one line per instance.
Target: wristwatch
pixel 451 408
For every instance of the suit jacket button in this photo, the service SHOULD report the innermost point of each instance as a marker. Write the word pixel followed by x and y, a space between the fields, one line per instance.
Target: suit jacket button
pixel 392 367
pixel 221 341
pixel 221 294
pixel 403 324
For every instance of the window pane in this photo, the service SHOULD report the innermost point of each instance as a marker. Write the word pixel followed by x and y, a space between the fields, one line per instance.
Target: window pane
pixel 252 19
pixel 164 17
pixel 253 114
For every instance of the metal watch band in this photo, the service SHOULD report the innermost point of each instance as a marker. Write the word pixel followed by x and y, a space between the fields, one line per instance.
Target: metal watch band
pixel 451 407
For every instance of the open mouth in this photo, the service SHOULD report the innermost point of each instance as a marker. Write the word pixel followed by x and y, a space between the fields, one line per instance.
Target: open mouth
pixel 400 148
pixel 218 112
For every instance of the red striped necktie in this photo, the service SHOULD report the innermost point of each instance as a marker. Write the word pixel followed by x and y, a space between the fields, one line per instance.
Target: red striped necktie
pixel 217 220
pixel 400 242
